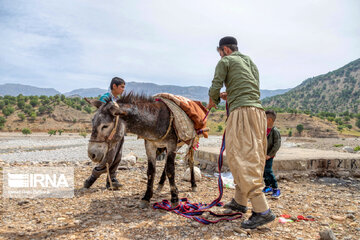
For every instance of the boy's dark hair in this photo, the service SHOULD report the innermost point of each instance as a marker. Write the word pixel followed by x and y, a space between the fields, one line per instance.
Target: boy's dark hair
pixel 271 114
pixel 117 81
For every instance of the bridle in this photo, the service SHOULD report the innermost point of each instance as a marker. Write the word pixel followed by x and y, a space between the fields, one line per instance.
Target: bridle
pixel 113 131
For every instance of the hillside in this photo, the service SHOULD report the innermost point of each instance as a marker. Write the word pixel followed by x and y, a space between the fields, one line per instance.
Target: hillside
pixel 14 89
pixel 192 92
pixel 336 91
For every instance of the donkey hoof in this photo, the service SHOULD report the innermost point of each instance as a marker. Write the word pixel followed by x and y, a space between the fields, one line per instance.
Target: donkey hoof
pixel 194 189
pixel 159 188
pixel 174 204
pixel 144 204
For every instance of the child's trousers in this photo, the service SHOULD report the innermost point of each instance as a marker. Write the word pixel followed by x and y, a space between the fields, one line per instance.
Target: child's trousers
pixel 269 177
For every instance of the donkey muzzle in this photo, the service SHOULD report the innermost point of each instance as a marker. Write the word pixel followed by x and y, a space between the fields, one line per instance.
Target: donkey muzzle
pixel 97 151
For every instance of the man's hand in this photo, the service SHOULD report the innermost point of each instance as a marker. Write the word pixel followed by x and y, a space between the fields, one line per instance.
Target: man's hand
pixel 223 96
pixel 211 104
pixel 267 157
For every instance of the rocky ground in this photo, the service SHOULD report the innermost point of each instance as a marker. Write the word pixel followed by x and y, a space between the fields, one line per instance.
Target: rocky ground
pixel 96 214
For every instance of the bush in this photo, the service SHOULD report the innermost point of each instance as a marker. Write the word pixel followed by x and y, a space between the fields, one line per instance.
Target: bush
pixel 358 123
pixel 338 145
pixel 60 131
pixel 357 148
pixel 52 132
pixel 33 116
pixel 2 122
pixel 340 128
pixel 300 128
pixel 346 118
pixel 290 133
pixel 21 116
pixel 349 126
pixel 220 128
pixel 7 111
pixel 26 131
pixel 87 109
pixel 83 134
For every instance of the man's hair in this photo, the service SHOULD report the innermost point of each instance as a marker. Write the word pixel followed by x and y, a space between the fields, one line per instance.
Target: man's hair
pixel 271 114
pixel 117 81
pixel 233 47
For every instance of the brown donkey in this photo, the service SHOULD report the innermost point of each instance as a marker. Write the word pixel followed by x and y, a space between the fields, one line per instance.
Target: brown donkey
pixel 150 120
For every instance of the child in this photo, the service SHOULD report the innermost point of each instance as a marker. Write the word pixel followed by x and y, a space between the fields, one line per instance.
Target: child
pixel 274 142
pixel 117 87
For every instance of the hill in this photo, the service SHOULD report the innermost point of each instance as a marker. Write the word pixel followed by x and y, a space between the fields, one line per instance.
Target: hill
pixel 192 92
pixel 336 91
pixel 14 89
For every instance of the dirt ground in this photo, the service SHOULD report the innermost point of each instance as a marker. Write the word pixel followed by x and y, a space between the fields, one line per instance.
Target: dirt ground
pixel 95 214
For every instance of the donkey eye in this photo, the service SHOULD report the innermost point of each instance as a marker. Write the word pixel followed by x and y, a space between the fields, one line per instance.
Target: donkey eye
pixel 104 127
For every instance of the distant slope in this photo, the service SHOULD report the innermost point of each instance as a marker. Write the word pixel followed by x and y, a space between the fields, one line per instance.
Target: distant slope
pixel 26 90
pixel 192 92
pixel 336 91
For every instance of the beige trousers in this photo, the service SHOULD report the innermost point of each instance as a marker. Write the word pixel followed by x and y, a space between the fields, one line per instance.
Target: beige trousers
pixel 246 144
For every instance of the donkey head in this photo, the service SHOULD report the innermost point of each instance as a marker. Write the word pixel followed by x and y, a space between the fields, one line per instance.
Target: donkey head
pixel 108 128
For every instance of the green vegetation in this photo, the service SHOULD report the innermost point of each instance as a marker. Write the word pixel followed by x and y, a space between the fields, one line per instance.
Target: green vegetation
pixel 219 128
pixel 336 91
pixel 2 122
pixel 300 128
pixel 26 131
pixel 52 132
pixel 21 116
pixel 290 133
pixel 357 148
pixel 338 145
pixel 83 133
pixel 60 131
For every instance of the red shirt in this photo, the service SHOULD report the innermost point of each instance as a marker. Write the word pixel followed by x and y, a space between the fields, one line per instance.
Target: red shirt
pixel 268 130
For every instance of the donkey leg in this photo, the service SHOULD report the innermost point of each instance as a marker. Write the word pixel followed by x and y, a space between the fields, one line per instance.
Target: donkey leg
pixel 162 180
pixel 170 172
pixel 192 173
pixel 163 175
pixel 151 153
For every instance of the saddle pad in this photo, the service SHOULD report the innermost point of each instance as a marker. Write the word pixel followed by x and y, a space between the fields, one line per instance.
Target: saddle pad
pixel 183 125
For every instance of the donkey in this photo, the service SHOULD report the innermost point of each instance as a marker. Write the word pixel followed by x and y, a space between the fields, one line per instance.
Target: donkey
pixel 150 120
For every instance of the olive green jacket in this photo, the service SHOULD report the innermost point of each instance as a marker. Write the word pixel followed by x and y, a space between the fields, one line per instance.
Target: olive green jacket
pixel 241 78
pixel 273 142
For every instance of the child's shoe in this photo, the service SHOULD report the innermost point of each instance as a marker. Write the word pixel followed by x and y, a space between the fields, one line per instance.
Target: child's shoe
pixel 267 190
pixel 276 193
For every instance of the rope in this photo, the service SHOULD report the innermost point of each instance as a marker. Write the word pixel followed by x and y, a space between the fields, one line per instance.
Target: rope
pixel 194 210
pixel 111 185
pixel 167 131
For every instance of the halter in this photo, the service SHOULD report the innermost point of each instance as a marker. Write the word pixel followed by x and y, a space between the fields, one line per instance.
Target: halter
pixel 113 131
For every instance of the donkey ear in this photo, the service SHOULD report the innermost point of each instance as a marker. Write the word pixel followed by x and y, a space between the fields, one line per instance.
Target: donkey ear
pixel 94 102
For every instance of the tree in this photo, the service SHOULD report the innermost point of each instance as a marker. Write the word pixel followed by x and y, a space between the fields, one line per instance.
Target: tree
pixel 7 111
pixel 34 102
pixel 290 133
pixel 60 131
pixel 52 132
pixel 26 131
pixel 220 128
pixel 300 128
pixel 358 123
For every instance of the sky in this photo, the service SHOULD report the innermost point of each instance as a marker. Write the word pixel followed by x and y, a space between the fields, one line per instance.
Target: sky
pixel 70 44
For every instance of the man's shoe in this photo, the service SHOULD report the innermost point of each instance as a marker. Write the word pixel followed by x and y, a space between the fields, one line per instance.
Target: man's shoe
pixel 233 205
pixel 276 193
pixel 267 190
pixel 258 219
pixel 90 181
pixel 115 184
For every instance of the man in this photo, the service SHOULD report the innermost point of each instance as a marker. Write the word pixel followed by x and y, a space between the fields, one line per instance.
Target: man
pixel 117 87
pixel 245 131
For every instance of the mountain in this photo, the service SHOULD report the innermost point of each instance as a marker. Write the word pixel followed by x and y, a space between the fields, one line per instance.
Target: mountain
pixel 269 93
pixel 336 91
pixel 86 92
pixel 192 92
pixel 14 89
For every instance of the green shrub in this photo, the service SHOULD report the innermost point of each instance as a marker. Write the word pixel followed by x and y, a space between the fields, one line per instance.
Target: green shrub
pixel 2 122
pixel 338 145
pixel 60 131
pixel 21 116
pixel 52 132
pixel 290 133
pixel 358 123
pixel 300 128
pixel 219 128
pixel 357 148
pixel 83 133
pixel 7 111
pixel 26 131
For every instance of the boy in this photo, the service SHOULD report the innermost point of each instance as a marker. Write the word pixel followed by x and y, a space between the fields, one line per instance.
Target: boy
pixel 274 142
pixel 117 87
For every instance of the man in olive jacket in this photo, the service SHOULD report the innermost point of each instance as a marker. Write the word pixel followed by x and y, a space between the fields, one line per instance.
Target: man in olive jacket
pixel 245 136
